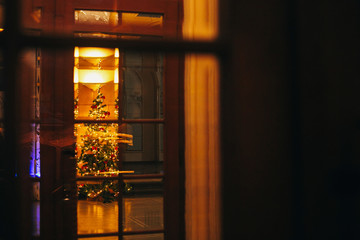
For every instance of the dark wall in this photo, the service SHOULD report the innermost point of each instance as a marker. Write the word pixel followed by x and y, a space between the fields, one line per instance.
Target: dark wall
pixel 291 120
pixel 329 77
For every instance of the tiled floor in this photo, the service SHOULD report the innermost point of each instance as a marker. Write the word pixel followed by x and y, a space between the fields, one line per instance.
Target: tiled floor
pixel 140 213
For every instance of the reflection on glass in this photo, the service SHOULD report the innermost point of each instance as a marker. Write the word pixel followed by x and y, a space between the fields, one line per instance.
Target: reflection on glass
pixel 105 191
pixel 158 236
pixel 97 148
pixel 96 78
pixel 36 14
pixel 95 35
pixel 35 151
pixel 32 58
pixel 96 17
pixel 149 20
pixel 143 187
pixel 143 212
pixel 142 85
pixel 146 155
pixel 96 209
pixel 136 130
pixel 37 83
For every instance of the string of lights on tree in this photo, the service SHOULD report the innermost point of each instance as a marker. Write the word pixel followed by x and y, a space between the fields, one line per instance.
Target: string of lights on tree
pixel 97 152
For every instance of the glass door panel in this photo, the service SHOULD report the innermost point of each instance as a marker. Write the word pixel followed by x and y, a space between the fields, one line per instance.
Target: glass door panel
pixel 143 205
pixel 97 148
pixel 96 80
pixel 114 120
pixel 97 208
pixel 142 75
pixel 146 154
pixel 95 99
pixel 111 150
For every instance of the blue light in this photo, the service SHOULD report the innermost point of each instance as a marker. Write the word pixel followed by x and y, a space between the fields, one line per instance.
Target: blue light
pixel 34 170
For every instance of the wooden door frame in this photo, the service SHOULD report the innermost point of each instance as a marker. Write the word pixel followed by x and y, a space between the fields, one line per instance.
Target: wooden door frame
pixel 56 123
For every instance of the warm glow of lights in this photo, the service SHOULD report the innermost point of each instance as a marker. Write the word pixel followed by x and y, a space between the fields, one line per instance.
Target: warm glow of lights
pixel 92 77
pixel 95 52
pixel 116 75
pixel 117 53
pixel 88 76
pixel 76 52
pixel 76 75
pixel 1 29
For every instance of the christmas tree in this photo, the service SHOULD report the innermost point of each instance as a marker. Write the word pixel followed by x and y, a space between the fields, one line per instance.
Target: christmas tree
pixel 97 153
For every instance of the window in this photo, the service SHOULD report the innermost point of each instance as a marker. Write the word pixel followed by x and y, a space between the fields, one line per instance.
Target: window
pixel 126 77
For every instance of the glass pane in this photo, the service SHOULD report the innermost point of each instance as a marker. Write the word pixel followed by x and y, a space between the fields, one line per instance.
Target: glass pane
pixel 146 154
pixel 95 35
pixel 96 78
pixel 200 20
pixel 143 210
pixel 28 98
pixel 30 74
pixel 97 148
pixel 144 187
pixel 37 82
pixel 148 20
pixel 97 209
pixel 93 17
pixel 142 85
pixel 35 151
pixel 37 14
pixel 158 236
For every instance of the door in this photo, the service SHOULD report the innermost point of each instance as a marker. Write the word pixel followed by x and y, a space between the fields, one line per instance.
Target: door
pixel 110 145
pixel 120 124
pixel 110 125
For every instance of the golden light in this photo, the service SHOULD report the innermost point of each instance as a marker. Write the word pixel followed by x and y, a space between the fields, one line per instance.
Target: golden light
pixel 1 29
pixel 116 75
pixel 92 77
pixel 76 75
pixel 76 52
pixel 95 76
pixel 95 52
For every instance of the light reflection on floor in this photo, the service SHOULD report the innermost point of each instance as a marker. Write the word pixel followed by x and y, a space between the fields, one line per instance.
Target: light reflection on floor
pixel 97 217
pixel 133 237
pixel 140 213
